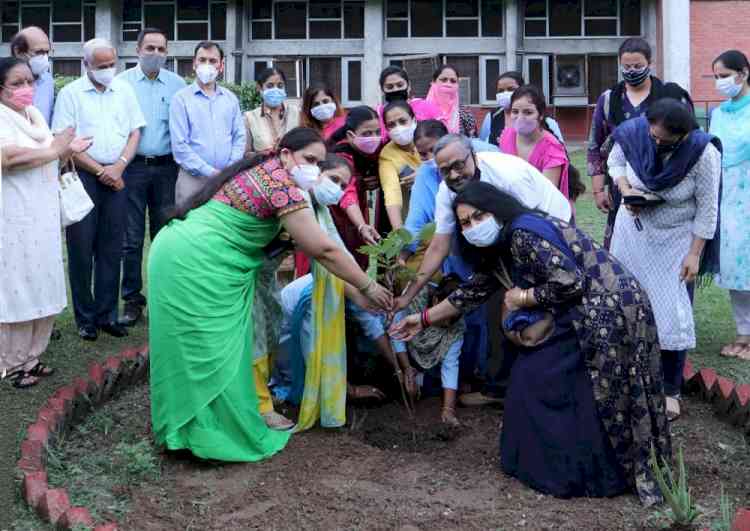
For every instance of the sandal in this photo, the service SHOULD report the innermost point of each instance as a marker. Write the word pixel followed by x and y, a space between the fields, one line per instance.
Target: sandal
pixel 40 370
pixel 364 392
pixel 743 353
pixel 448 417
pixel 22 379
pixel 673 407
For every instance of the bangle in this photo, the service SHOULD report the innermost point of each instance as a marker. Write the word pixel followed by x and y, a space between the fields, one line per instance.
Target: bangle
pixel 525 298
pixel 100 173
pixel 425 319
pixel 124 160
pixel 366 287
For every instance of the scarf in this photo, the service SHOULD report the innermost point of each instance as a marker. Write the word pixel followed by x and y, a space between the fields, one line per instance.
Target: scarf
pixel 448 106
pixel 657 174
pixel 33 125
pixel 429 347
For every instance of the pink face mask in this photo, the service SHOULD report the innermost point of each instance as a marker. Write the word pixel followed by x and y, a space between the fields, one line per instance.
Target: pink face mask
pixel 447 89
pixel 524 126
pixel 367 144
pixel 22 97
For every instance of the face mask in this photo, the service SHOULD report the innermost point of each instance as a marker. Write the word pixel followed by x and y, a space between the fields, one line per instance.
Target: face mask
pixel 503 99
pixel 403 135
pixel 524 126
pixel 274 97
pixel 206 73
pixel 484 234
pixel 367 144
pixel 305 175
pixel 39 64
pixel 635 78
pixel 728 86
pixel 397 95
pixel 105 76
pixel 327 192
pixel 152 63
pixel 22 97
pixel 324 111
pixel 447 89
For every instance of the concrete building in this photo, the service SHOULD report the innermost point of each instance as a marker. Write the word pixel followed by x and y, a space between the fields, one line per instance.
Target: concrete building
pixel 567 47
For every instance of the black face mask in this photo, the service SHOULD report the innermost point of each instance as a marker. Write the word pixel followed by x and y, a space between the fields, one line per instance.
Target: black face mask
pixel 666 149
pixel 397 95
pixel 636 78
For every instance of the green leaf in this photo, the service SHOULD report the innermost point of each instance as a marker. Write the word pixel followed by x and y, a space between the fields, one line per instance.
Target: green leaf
pixel 427 232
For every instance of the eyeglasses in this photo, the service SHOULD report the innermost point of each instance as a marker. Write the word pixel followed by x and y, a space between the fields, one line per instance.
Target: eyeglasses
pixel 457 166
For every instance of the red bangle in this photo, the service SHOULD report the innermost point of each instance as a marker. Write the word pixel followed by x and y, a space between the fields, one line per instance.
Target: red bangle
pixel 425 319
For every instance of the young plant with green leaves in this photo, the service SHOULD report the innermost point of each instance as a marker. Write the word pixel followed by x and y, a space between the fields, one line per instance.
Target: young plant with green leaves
pixel 682 510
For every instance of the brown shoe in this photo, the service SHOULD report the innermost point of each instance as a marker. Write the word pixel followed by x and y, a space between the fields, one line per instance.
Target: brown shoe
pixel 478 399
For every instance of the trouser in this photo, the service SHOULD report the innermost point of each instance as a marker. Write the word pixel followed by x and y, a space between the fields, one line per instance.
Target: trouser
pixel 187 185
pixel 152 187
pixel 673 365
pixel 261 373
pixel 95 244
pixel 22 343
pixel 741 309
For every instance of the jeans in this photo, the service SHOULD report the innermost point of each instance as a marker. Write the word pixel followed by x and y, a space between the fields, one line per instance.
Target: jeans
pixel 152 187
pixel 673 364
pixel 95 244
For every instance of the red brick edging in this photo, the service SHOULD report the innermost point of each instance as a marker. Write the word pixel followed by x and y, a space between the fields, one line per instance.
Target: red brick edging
pixel 66 407
pixel 70 404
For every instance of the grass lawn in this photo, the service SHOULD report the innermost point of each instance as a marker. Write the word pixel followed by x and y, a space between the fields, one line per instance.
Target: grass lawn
pixel 71 356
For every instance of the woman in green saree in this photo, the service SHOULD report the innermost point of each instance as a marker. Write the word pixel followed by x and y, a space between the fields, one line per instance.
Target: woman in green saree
pixel 202 271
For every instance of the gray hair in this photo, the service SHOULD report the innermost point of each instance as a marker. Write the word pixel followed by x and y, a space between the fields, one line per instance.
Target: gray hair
pixel 92 46
pixel 447 140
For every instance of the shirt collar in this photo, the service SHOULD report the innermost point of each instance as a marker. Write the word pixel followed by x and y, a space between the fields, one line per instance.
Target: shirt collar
pixel 198 90
pixel 141 75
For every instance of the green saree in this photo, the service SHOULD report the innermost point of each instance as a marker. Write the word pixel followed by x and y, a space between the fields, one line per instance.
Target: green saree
pixel 202 273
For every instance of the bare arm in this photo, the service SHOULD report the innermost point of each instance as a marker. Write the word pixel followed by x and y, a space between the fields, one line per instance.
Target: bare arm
pixel 304 229
pixel 395 216
pixel 553 174
pixel 23 158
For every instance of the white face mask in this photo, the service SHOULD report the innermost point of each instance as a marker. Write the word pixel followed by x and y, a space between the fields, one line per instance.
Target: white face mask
pixel 483 234
pixel 324 111
pixel 728 86
pixel 39 64
pixel 503 99
pixel 305 176
pixel 327 192
pixel 403 135
pixel 206 73
pixel 104 76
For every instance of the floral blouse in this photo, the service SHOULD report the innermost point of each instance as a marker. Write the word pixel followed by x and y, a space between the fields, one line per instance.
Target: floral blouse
pixel 264 191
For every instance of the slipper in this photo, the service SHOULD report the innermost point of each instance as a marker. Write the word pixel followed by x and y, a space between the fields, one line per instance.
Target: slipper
pixel 744 353
pixel 731 350
pixel 673 408
pixel 41 370
pixel 22 379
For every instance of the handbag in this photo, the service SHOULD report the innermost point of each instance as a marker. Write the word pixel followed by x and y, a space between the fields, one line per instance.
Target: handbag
pixel 75 203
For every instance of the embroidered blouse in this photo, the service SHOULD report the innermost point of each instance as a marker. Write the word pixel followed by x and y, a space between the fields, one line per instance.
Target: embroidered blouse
pixel 264 191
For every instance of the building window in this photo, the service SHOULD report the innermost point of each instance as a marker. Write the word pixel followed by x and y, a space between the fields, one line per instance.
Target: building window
pixel 318 19
pixel 66 67
pixel 342 74
pixel 182 20
pixel 62 20
pixel 602 75
pixel 582 18
pixel 449 18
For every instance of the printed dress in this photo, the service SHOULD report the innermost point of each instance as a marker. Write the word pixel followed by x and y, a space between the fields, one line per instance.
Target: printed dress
pixel 202 272
pixel 599 372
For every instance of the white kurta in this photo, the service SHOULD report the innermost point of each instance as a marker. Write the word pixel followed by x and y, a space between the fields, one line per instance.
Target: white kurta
pixel 655 254
pixel 32 282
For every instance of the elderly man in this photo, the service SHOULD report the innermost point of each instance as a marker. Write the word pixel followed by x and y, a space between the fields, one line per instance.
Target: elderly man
pixel 32 45
pixel 151 176
pixel 102 107
pixel 205 122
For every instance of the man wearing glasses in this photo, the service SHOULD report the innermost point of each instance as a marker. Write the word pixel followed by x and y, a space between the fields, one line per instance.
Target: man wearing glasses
pixel 32 45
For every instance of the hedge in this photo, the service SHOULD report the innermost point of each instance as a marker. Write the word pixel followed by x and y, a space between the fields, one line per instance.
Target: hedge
pixel 246 92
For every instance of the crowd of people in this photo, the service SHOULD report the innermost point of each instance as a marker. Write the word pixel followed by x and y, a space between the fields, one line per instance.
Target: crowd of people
pixel 593 336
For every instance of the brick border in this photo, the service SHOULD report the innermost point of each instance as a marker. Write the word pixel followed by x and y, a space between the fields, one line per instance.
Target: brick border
pixel 65 408
pixel 72 403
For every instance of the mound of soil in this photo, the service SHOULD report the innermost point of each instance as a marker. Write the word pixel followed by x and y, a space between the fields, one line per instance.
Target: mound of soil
pixel 388 471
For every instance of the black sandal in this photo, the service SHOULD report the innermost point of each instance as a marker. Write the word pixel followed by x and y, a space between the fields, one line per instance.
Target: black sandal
pixel 40 370
pixel 22 379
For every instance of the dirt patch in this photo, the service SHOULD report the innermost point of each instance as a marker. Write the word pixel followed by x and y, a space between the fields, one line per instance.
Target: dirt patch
pixel 387 472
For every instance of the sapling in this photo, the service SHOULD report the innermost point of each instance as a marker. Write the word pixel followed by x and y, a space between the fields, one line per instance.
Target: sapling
pixel 682 510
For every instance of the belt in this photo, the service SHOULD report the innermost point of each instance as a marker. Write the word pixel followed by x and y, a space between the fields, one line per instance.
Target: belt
pixel 158 160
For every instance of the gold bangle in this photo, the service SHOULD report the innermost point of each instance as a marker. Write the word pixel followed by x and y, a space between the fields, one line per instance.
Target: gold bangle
pixel 525 299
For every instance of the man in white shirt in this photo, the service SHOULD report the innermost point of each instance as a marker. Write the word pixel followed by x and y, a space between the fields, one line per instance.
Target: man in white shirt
pixel 99 106
pixel 459 165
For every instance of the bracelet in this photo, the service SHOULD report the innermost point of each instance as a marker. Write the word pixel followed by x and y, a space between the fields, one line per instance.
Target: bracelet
pixel 525 298
pixel 100 173
pixel 425 318
pixel 366 287
pixel 124 160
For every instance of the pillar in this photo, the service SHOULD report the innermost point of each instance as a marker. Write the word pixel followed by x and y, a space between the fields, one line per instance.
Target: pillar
pixel 511 34
pixel 675 53
pixel 233 28
pixel 372 62
pixel 108 20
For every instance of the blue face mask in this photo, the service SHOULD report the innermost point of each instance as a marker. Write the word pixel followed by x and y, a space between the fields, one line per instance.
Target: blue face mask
pixel 274 97
pixel 484 233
